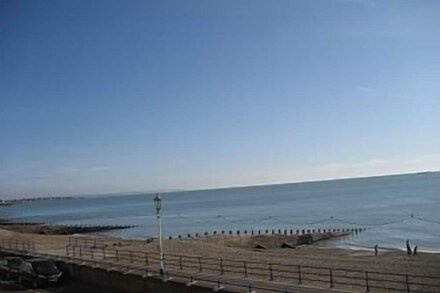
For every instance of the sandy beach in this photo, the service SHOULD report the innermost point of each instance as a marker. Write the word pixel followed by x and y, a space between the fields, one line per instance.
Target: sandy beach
pixel 214 246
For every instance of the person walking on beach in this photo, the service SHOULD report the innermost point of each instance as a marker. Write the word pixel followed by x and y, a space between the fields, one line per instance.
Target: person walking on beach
pixel 376 250
pixel 408 248
pixel 415 250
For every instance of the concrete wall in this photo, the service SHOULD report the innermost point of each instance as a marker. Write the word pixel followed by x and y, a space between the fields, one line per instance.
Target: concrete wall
pixel 116 281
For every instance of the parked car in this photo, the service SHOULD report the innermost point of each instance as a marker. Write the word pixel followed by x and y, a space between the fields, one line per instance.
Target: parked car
pixel 39 272
pixel 10 267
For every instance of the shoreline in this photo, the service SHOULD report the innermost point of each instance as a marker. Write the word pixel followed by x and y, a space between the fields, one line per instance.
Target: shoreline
pixel 307 255
pixel 99 231
pixel 383 249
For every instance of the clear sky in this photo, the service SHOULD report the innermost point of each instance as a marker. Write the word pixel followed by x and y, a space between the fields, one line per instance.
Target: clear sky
pixel 114 96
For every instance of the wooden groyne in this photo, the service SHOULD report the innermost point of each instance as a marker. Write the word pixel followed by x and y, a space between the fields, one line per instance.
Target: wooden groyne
pixel 79 229
pixel 256 232
pixel 41 228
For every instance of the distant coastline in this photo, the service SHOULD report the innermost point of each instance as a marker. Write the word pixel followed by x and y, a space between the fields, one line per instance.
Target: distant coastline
pixel 9 202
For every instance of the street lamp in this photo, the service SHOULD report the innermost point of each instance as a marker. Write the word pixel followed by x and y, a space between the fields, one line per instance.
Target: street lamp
pixel 158 205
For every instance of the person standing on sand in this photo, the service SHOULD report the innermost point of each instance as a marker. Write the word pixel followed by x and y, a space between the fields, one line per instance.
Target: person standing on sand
pixel 376 250
pixel 408 248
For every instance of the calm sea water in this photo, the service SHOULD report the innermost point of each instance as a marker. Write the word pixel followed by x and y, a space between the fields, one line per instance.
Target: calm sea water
pixel 393 208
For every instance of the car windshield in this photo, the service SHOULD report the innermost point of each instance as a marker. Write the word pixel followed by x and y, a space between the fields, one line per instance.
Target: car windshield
pixel 45 268
pixel 14 263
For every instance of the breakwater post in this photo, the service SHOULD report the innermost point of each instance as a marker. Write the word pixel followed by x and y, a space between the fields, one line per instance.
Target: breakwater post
pixel 285 232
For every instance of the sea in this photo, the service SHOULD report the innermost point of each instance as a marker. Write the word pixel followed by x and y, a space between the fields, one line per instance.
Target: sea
pixel 392 209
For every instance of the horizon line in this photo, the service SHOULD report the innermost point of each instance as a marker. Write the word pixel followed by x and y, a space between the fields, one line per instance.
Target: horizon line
pixel 174 190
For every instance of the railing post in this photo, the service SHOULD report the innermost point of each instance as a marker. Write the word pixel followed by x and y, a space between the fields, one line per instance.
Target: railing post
pixel 131 256
pixel 331 278
pixel 221 267
pixel 299 275
pixel 103 252
pixel 245 269
pixel 200 265
pixel 366 281
pixel 146 258
pixel 80 251
pixel 180 262
pixel 270 272
pixel 407 282
pixel 117 255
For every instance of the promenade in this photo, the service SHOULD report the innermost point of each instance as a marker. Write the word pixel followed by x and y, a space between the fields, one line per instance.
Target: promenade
pixel 245 271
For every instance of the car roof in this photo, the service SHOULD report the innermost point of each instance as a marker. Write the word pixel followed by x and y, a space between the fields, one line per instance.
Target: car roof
pixel 31 260
pixel 12 257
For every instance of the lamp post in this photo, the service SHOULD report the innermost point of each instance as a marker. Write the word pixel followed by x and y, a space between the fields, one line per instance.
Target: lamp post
pixel 157 205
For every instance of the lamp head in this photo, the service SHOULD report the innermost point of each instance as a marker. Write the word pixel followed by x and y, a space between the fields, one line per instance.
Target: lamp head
pixel 157 202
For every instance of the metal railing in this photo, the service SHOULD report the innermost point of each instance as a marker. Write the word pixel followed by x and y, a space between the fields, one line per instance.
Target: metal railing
pixel 97 242
pixel 85 241
pixel 191 279
pixel 17 244
pixel 198 267
pixel 321 277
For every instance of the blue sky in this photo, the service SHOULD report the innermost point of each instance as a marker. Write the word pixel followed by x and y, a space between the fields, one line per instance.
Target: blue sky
pixel 114 96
